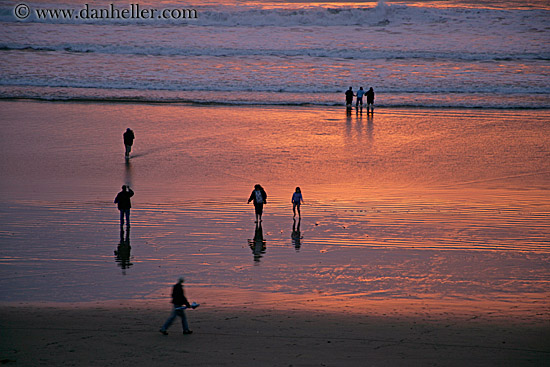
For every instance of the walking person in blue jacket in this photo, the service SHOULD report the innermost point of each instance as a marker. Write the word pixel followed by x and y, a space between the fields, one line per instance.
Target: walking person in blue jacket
pixel 297 200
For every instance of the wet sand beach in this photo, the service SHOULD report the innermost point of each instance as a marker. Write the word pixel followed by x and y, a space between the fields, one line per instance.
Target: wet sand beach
pixel 423 238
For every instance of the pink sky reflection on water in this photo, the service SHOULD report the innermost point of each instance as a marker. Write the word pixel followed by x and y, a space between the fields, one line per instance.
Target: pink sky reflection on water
pixel 404 205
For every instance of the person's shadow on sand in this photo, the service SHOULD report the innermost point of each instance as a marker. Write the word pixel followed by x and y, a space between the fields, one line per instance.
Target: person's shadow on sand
pixel 258 244
pixel 296 235
pixel 122 253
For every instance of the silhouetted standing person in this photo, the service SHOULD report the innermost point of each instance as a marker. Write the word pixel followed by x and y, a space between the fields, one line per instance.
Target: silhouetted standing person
pixel 297 200
pixel 360 94
pixel 259 197
pixel 349 97
pixel 178 300
pixel 124 204
pixel 370 100
pixel 128 141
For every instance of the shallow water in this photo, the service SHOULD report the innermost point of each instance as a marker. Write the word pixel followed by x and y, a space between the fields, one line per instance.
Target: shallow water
pixel 407 204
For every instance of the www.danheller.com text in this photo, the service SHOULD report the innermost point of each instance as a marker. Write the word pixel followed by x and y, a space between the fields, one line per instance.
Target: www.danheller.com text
pixel 87 12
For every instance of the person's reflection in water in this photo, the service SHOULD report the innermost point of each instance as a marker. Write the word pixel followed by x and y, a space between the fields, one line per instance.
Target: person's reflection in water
pixel 122 252
pixel 370 127
pixel 258 244
pixel 128 173
pixel 296 235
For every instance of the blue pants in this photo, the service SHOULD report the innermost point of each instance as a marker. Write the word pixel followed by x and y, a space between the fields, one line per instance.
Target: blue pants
pixel 124 213
pixel 180 313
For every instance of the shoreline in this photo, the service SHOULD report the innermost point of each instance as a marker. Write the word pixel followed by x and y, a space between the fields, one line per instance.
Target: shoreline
pixel 432 307
pixel 188 99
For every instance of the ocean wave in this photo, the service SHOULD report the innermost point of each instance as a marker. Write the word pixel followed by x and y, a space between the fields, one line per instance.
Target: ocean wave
pixel 382 15
pixel 152 86
pixel 343 53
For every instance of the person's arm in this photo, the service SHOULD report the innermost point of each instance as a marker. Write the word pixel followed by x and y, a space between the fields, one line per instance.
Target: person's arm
pixel 130 192
pixel 116 199
pixel 186 302
pixel 251 197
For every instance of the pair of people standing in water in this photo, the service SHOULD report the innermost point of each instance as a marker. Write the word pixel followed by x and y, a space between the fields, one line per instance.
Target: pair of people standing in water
pixel 259 197
pixel 359 102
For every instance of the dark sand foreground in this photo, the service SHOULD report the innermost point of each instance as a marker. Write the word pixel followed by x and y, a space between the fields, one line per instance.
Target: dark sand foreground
pixel 122 335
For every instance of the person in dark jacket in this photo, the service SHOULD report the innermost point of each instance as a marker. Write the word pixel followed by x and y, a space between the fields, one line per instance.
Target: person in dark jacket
pixel 259 197
pixel 349 97
pixel 128 141
pixel 123 202
pixel 179 300
pixel 370 100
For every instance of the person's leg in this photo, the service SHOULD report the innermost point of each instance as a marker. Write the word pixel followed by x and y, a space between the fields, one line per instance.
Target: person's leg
pixel 294 208
pixel 184 323
pixel 121 217
pixel 258 208
pixel 298 207
pixel 127 212
pixel 169 321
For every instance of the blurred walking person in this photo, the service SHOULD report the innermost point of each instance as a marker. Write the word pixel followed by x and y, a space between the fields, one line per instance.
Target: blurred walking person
pixel 178 300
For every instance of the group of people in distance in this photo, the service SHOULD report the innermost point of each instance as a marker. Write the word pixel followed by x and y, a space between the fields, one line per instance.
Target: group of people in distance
pixel 359 102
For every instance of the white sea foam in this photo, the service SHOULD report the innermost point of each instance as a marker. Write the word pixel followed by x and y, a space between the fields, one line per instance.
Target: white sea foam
pixel 318 50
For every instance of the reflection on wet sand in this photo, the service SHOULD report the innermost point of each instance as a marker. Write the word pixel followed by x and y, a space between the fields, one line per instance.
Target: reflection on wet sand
pixel 128 173
pixel 296 235
pixel 258 243
pixel 123 250
pixel 370 127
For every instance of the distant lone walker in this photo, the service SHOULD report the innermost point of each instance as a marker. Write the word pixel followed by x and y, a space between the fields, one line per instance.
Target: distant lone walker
pixel 297 200
pixel 370 100
pixel 123 202
pixel 349 97
pixel 128 141
pixel 259 197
